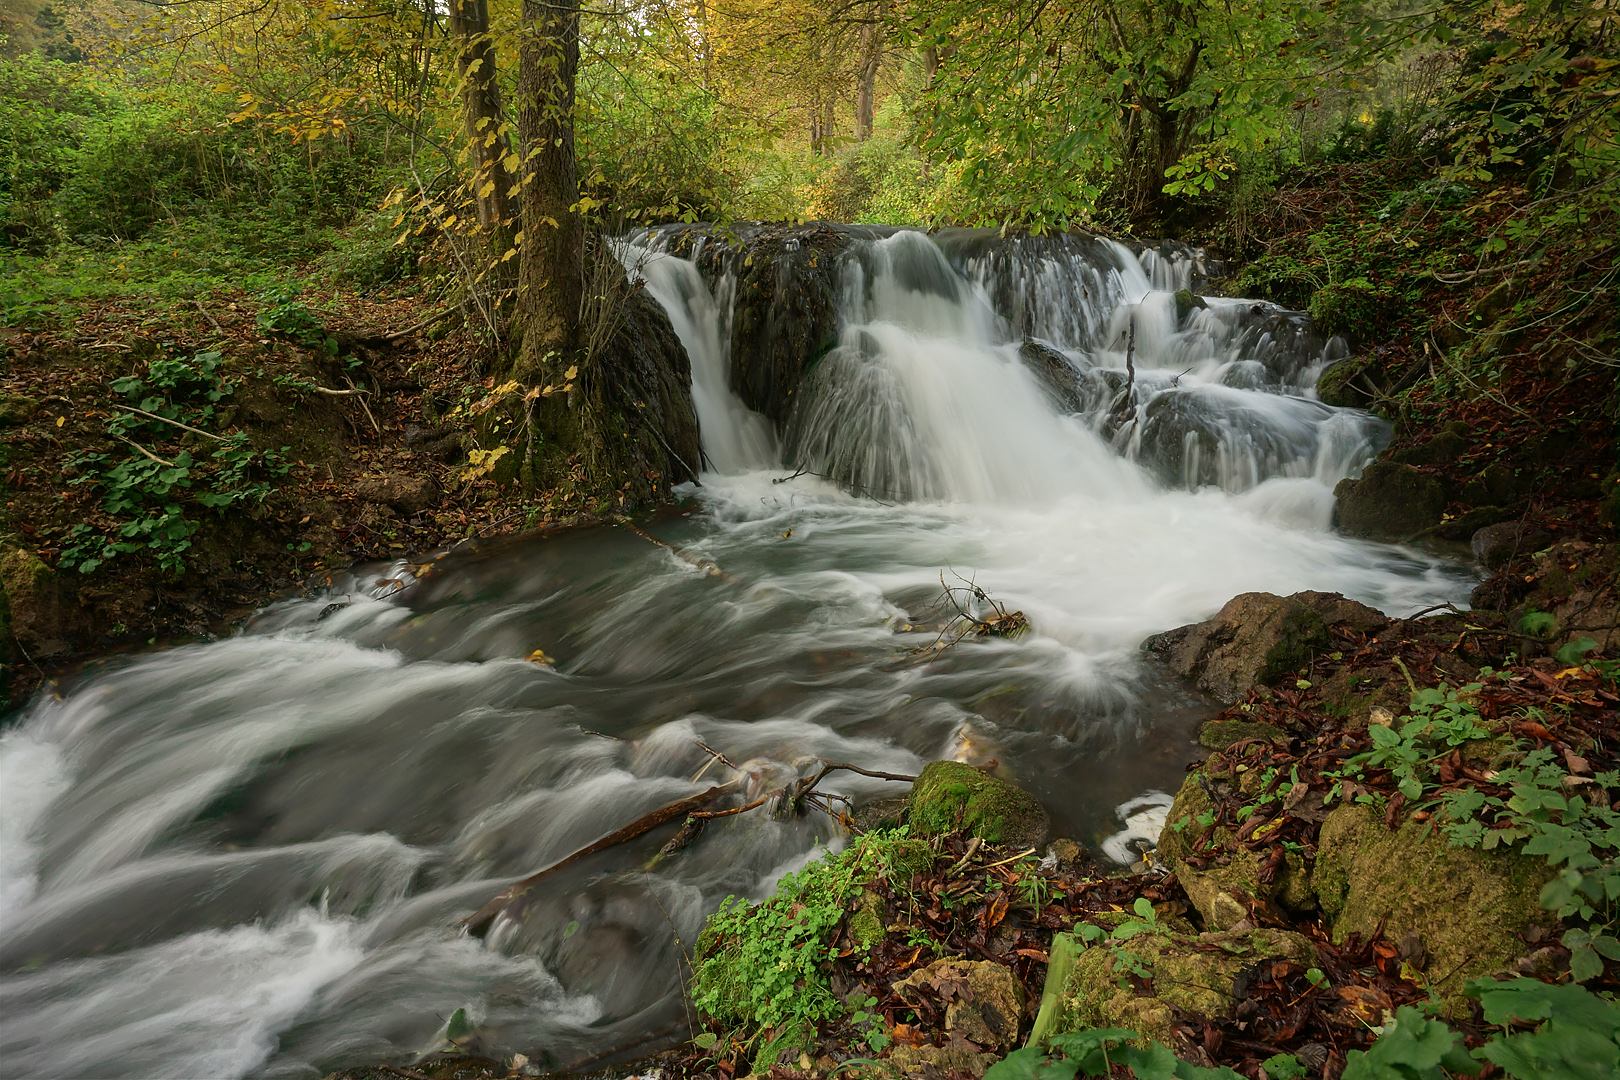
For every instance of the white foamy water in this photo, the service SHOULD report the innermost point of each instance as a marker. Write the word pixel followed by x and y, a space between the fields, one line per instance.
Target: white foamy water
pixel 251 857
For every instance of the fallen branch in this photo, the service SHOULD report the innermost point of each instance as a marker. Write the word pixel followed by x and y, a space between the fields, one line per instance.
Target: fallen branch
pixel 353 390
pixel 696 817
pixel 479 922
pixel 1469 275
pixel 147 453
pixel 166 420
pixel 423 325
pixel 218 329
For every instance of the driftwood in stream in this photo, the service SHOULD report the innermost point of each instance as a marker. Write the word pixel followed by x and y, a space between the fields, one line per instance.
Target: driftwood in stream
pixel 793 796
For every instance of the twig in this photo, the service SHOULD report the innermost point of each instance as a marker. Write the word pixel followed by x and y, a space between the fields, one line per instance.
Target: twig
pixel 351 392
pixel 144 450
pixel 166 420
pixel 423 325
pixel 355 389
pixel 1470 275
pixel 218 329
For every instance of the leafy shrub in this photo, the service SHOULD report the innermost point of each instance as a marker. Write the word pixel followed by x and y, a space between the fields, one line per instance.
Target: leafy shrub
pixel 1357 310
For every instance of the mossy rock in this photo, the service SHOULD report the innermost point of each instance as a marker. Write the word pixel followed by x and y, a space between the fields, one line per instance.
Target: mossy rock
pixel 1219 734
pixel 16 409
pixel 1195 973
pixel 1255 639
pixel 1470 908
pixel 1390 501
pixel 1339 386
pixel 1220 887
pixel 866 923
pixel 952 797
pixel 1444 447
pixel 1186 301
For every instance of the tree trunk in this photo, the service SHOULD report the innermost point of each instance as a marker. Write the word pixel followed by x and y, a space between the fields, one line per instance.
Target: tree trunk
pixel 871 59
pixel 552 269
pixel 486 132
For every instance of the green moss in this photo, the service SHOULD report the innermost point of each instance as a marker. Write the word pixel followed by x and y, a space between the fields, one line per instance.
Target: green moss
pixel 1357 310
pixel 1469 907
pixel 866 921
pixel 1219 734
pixel 1195 973
pixel 950 797
pixel 1390 501
pixel 16 409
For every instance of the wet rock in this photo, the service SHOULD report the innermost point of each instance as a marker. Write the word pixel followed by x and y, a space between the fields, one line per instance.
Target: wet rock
pixel 1186 301
pixel 883 814
pixel 950 796
pixel 1497 545
pixel 1255 639
pixel 1471 907
pixel 1342 384
pixel 405 493
pixel 984 1002
pixel 16 409
pixel 1196 973
pixel 645 411
pixel 1496 484
pixel 784 316
pixel 1219 734
pixel 1071 387
pixel 32 603
pixel 1390 501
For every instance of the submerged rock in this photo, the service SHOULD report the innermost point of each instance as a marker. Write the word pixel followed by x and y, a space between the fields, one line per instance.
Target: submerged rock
pixel 952 797
pixel 1390 501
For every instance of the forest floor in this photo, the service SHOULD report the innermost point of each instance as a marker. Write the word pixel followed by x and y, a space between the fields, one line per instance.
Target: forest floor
pixel 376 471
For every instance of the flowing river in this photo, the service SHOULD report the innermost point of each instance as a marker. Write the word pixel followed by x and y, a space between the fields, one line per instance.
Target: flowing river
pixel 250 857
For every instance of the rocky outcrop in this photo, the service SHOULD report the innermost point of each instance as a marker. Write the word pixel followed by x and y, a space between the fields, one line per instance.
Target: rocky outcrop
pixel 985 1002
pixel 952 797
pixel 404 492
pixel 1390 501
pixel 1257 638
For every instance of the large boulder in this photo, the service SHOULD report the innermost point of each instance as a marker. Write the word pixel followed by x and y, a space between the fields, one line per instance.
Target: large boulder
pixel 1255 639
pixel 1471 909
pixel 952 797
pixel 1390 501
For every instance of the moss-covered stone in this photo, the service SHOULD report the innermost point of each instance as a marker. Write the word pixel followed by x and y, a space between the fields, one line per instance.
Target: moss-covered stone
pixel 950 797
pixel 1390 501
pixel 1469 907
pixel 16 409
pixel 1186 301
pixel 1191 972
pixel 866 921
pixel 1343 384
pixel 1219 734
pixel 1444 447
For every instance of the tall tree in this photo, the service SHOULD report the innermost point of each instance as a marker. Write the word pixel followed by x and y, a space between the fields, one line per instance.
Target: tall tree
pixel 494 171
pixel 551 257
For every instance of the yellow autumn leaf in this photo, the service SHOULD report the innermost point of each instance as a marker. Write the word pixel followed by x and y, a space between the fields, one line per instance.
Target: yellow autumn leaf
pixel 571 372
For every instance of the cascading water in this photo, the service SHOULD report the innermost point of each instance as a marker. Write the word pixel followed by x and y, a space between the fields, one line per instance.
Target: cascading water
pixel 250 857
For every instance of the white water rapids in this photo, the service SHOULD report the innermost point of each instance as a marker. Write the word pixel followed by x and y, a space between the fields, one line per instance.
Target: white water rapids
pixel 249 857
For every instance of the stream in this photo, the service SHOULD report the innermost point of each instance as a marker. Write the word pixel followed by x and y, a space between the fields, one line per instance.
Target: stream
pixel 250 857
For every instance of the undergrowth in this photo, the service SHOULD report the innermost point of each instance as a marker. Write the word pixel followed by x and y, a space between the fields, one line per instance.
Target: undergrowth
pixel 153 500
pixel 1543 1031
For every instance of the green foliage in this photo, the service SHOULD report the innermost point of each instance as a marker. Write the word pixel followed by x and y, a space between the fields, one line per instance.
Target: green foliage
pixel 153 493
pixel 1357 310
pixel 1575 1036
pixel 1441 719
pixel 766 964
pixel 1580 836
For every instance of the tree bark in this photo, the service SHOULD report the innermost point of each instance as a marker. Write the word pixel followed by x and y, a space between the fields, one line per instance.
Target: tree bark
pixel 552 269
pixel 871 59
pixel 481 112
